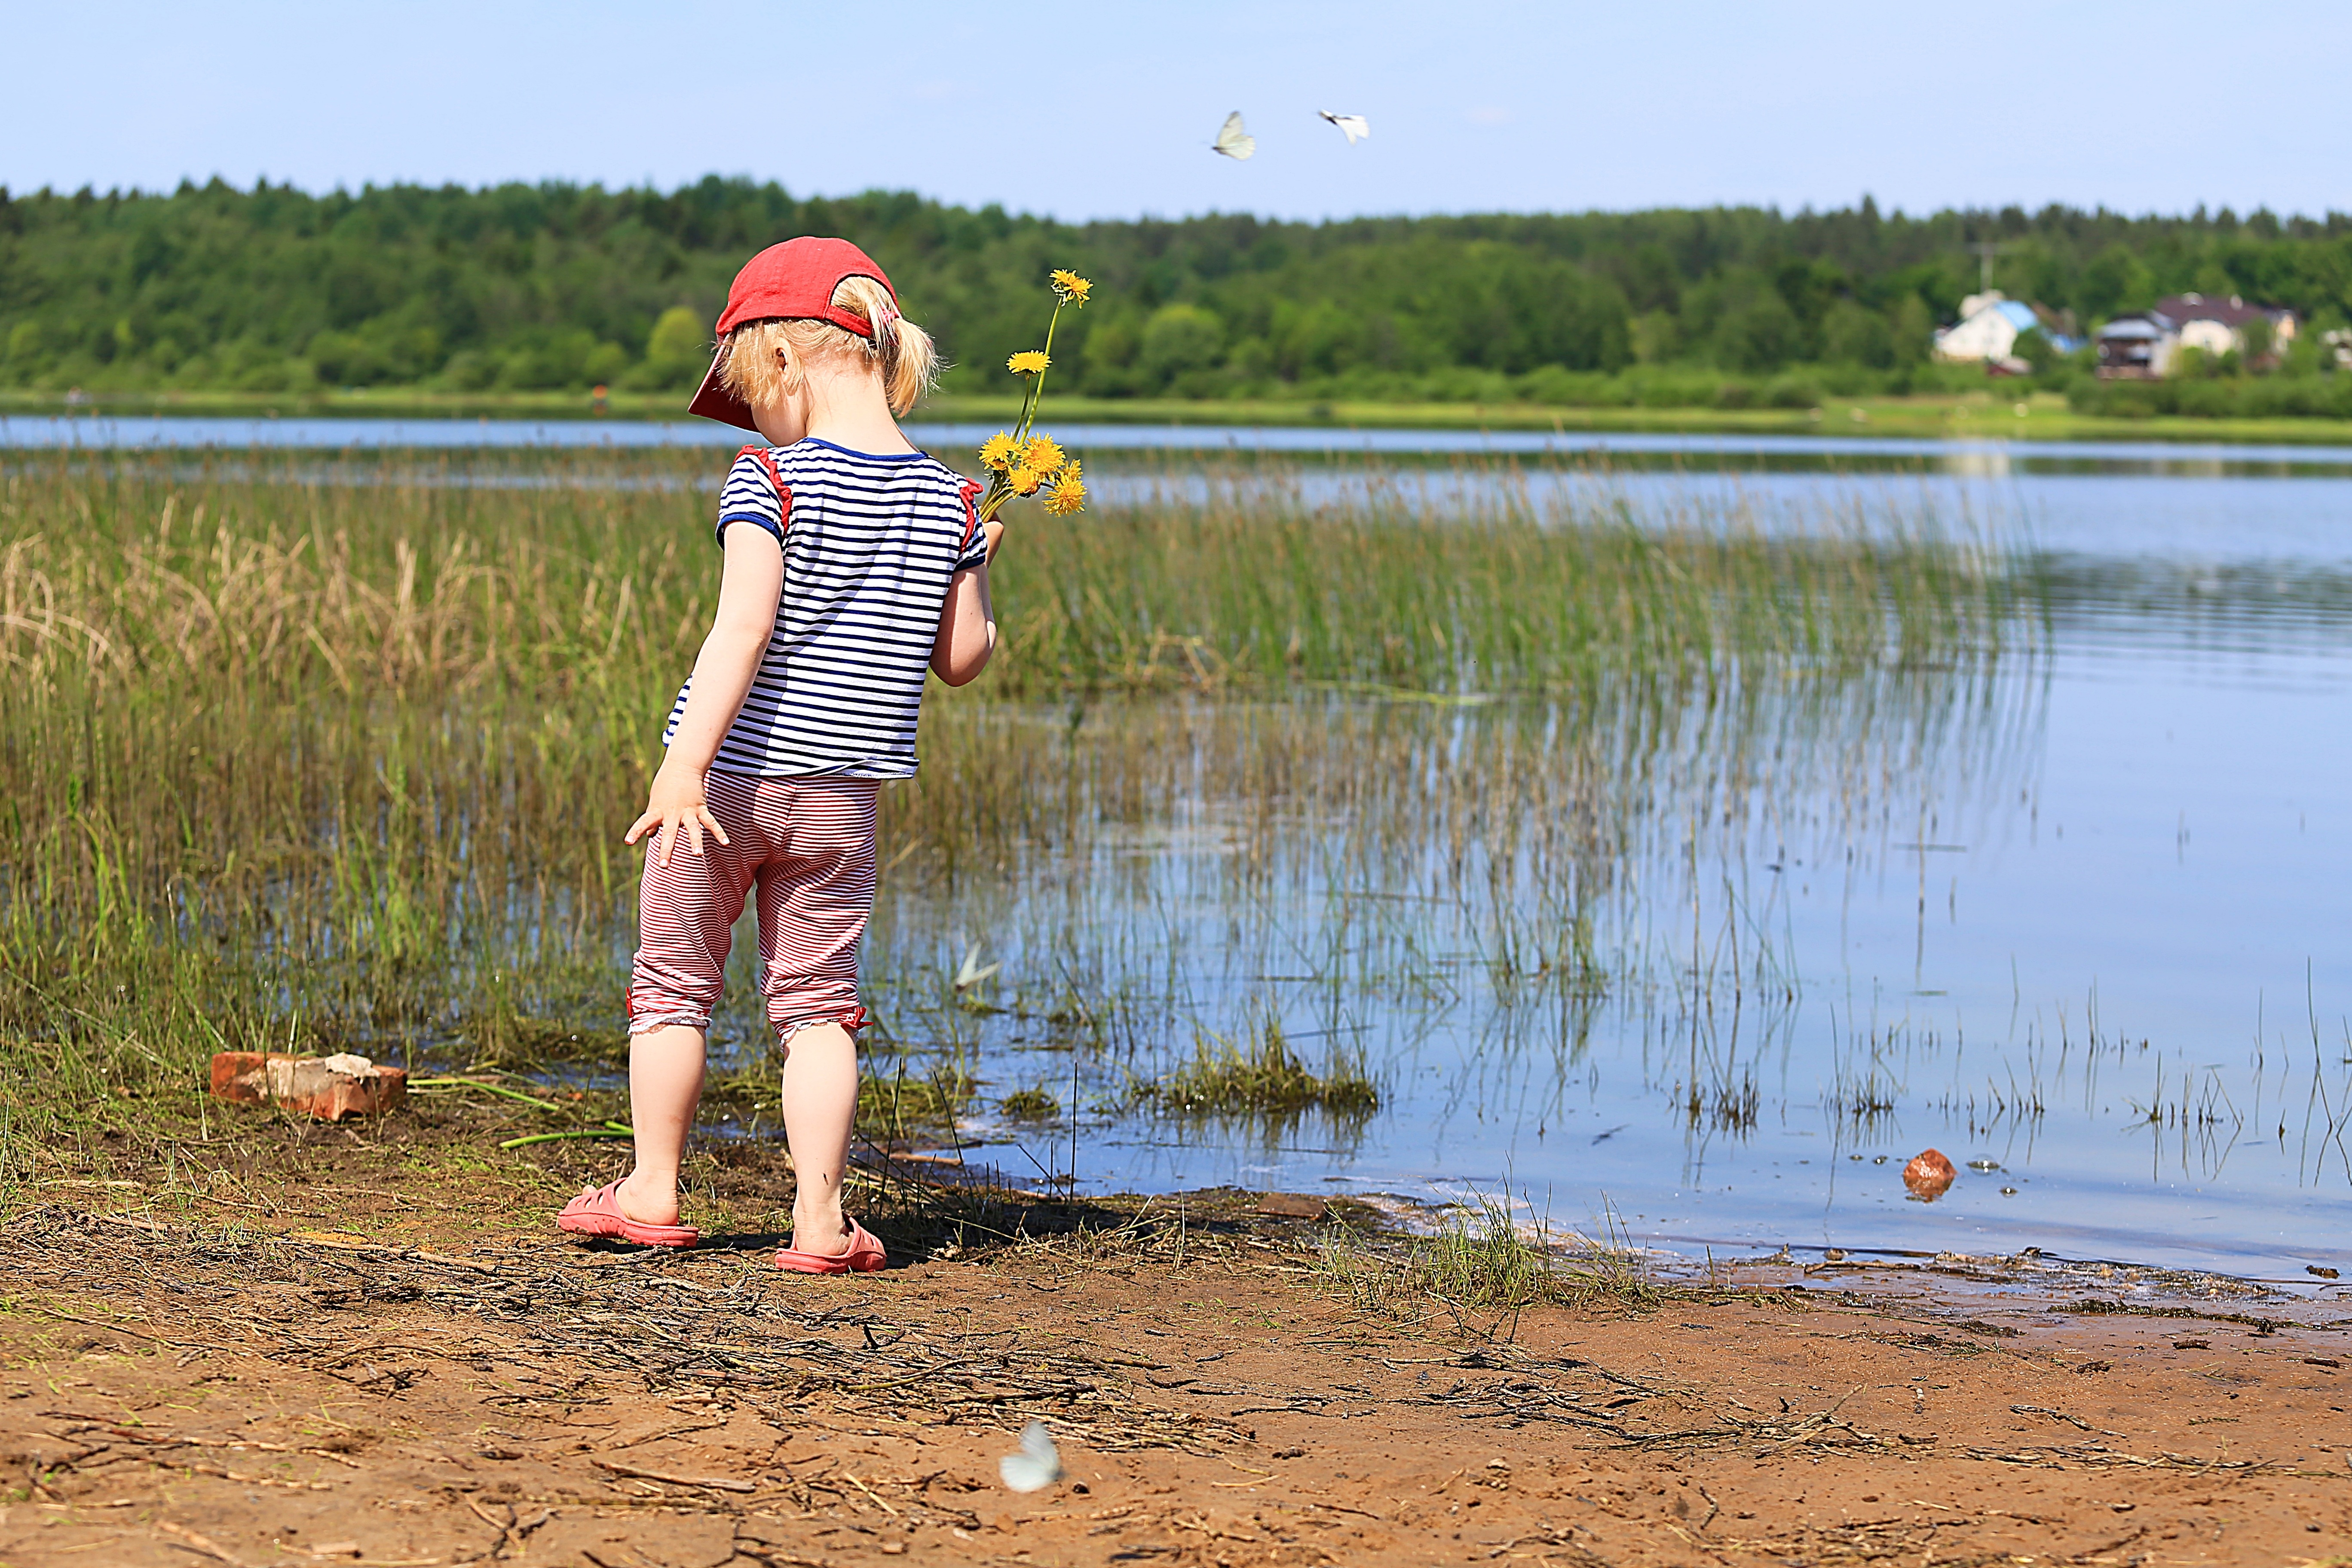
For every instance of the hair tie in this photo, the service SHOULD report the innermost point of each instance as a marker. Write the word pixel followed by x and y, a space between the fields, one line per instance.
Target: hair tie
pixel 883 318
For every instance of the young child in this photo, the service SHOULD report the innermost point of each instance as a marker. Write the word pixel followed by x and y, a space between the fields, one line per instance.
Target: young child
pixel 853 562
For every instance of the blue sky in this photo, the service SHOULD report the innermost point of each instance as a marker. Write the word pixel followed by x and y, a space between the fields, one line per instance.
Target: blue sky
pixel 1107 109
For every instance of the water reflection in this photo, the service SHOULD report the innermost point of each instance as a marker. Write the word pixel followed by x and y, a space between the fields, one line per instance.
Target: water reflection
pixel 1633 451
pixel 1725 958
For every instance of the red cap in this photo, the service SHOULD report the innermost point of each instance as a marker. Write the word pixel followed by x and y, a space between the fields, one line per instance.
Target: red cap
pixel 792 281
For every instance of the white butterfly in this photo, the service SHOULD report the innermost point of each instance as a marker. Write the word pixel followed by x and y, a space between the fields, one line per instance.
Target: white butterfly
pixel 1037 1465
pixel 1356 126
pixel 1233 141
pixel 971 974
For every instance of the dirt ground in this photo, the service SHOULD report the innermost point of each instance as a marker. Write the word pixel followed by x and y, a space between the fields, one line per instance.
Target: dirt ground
pixel 279 1358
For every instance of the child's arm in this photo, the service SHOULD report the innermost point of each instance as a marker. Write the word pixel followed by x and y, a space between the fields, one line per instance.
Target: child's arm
pixel 750 588
pixel 967 621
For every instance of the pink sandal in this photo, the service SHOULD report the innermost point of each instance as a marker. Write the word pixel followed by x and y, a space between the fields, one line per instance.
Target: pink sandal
pixel 864 1255
pixel 597 1212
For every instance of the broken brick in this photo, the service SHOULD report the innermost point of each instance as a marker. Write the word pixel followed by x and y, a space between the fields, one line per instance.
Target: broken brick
pixel 329 1087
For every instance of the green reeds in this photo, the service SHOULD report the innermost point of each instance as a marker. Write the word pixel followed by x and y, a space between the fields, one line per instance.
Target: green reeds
pixel 335 754
pixel 1260 1078
pixel 893 1105
pixel 1031 1105
pixel 1250 591
pixel 1480 1260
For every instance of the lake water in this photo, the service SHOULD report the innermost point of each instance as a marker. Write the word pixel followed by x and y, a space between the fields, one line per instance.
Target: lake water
pixel 2078 922
pixel 1988 457
pixel 2077 916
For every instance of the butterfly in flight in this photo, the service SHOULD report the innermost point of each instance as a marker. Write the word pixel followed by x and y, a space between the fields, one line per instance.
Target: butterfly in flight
pixel 1037 1465
pixel 1355 126
pixel 1233 141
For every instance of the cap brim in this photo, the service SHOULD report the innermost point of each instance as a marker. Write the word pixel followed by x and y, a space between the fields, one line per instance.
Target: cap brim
pixel 713 401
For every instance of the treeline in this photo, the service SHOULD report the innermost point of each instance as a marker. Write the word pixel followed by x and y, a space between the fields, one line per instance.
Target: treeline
pixel 554 286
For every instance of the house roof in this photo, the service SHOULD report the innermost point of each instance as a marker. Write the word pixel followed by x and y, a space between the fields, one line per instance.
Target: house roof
pixel 2232 311
pixel 2018 314
pixel 2149 324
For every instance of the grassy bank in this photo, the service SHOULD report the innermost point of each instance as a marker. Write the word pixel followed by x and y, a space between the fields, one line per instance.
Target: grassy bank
pixel 340 758
pixel 1989 413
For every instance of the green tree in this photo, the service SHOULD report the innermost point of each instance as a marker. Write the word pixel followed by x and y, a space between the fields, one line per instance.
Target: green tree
pixel 1657 338
pixel 555 285
pixel 677 351
pixel 1181 338
pixel 1915 330
pixel 1854 335
pixel 2034 347
pixel 2115 281
pixel 1758 331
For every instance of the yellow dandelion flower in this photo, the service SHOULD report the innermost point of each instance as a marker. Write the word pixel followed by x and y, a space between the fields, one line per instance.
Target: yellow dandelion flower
pixel 1044 455
pixel 1024 480
pixel 1028 362
pixel 1069 495
pixel 1071 287
pixel 999 452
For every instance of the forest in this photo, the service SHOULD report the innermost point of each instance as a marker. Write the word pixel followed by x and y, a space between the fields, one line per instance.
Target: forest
pixel 534 286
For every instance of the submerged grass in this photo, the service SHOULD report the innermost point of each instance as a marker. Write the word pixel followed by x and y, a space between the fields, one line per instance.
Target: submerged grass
pixel 1260 1078
pixel 1033 1104
pixel 1479 1260
pixel 333 753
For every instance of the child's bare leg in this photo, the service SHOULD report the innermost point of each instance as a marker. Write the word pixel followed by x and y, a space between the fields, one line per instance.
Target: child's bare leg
pixel 664 1084
pixel 820 1103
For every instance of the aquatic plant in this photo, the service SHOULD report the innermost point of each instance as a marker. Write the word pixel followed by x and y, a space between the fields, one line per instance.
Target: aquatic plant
pixel 1260 1078
pixel 1479 1257
pixel 335 753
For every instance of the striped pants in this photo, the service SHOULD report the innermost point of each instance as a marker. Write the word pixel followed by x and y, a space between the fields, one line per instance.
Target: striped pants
pixel 807 845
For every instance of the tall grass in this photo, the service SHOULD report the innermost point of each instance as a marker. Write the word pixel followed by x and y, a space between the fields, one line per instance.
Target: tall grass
pixel 338 753
pixel 1517 590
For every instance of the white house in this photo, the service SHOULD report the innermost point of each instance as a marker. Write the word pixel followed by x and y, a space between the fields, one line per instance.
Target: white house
pixel 2141 345
pixel 2219 326
pixel 1989 325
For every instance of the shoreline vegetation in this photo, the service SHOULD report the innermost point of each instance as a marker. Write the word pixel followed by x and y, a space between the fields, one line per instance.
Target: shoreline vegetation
pixel 404 292
pixel 1992 414
pixel 344 766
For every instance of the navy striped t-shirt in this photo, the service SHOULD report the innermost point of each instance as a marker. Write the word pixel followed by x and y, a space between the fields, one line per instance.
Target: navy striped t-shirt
pixel 871 542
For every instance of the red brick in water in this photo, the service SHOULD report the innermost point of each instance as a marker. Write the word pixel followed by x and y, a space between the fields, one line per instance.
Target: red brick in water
pixel 1928 1175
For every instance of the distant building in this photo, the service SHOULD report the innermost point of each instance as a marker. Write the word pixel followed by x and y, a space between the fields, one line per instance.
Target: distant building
pixel 2142 345
pixel 1989 325
pixel 2138 347
pixel 2219 326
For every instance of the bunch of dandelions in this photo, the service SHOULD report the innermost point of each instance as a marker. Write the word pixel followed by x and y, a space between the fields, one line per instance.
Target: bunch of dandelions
pixel 1022 461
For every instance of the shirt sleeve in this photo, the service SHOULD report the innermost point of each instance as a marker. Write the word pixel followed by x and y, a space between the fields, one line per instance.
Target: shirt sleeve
pixel 750 496
pixel 975 541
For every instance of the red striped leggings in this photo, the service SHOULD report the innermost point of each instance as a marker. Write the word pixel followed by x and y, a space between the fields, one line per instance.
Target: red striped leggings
pixel 807 844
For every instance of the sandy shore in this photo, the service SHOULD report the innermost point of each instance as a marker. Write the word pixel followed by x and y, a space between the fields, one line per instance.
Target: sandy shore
pixel 441 1384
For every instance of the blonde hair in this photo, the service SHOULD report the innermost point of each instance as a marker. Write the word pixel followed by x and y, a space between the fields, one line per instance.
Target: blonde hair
pixel 901 350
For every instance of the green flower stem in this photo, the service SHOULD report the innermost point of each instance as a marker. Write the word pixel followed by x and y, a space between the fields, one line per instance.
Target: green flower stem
pixel 610 1129
pixel 1037 387
pixel 1000 487
pixel 489 1088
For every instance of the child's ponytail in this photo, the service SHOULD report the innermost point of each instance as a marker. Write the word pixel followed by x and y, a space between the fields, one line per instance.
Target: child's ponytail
pixel 756 372
pixel 909 360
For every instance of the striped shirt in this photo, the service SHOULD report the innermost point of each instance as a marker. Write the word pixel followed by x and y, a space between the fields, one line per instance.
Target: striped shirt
pixel 871 542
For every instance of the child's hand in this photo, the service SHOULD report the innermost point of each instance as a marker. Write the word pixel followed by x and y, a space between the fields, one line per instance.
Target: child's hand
pixel 675 801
